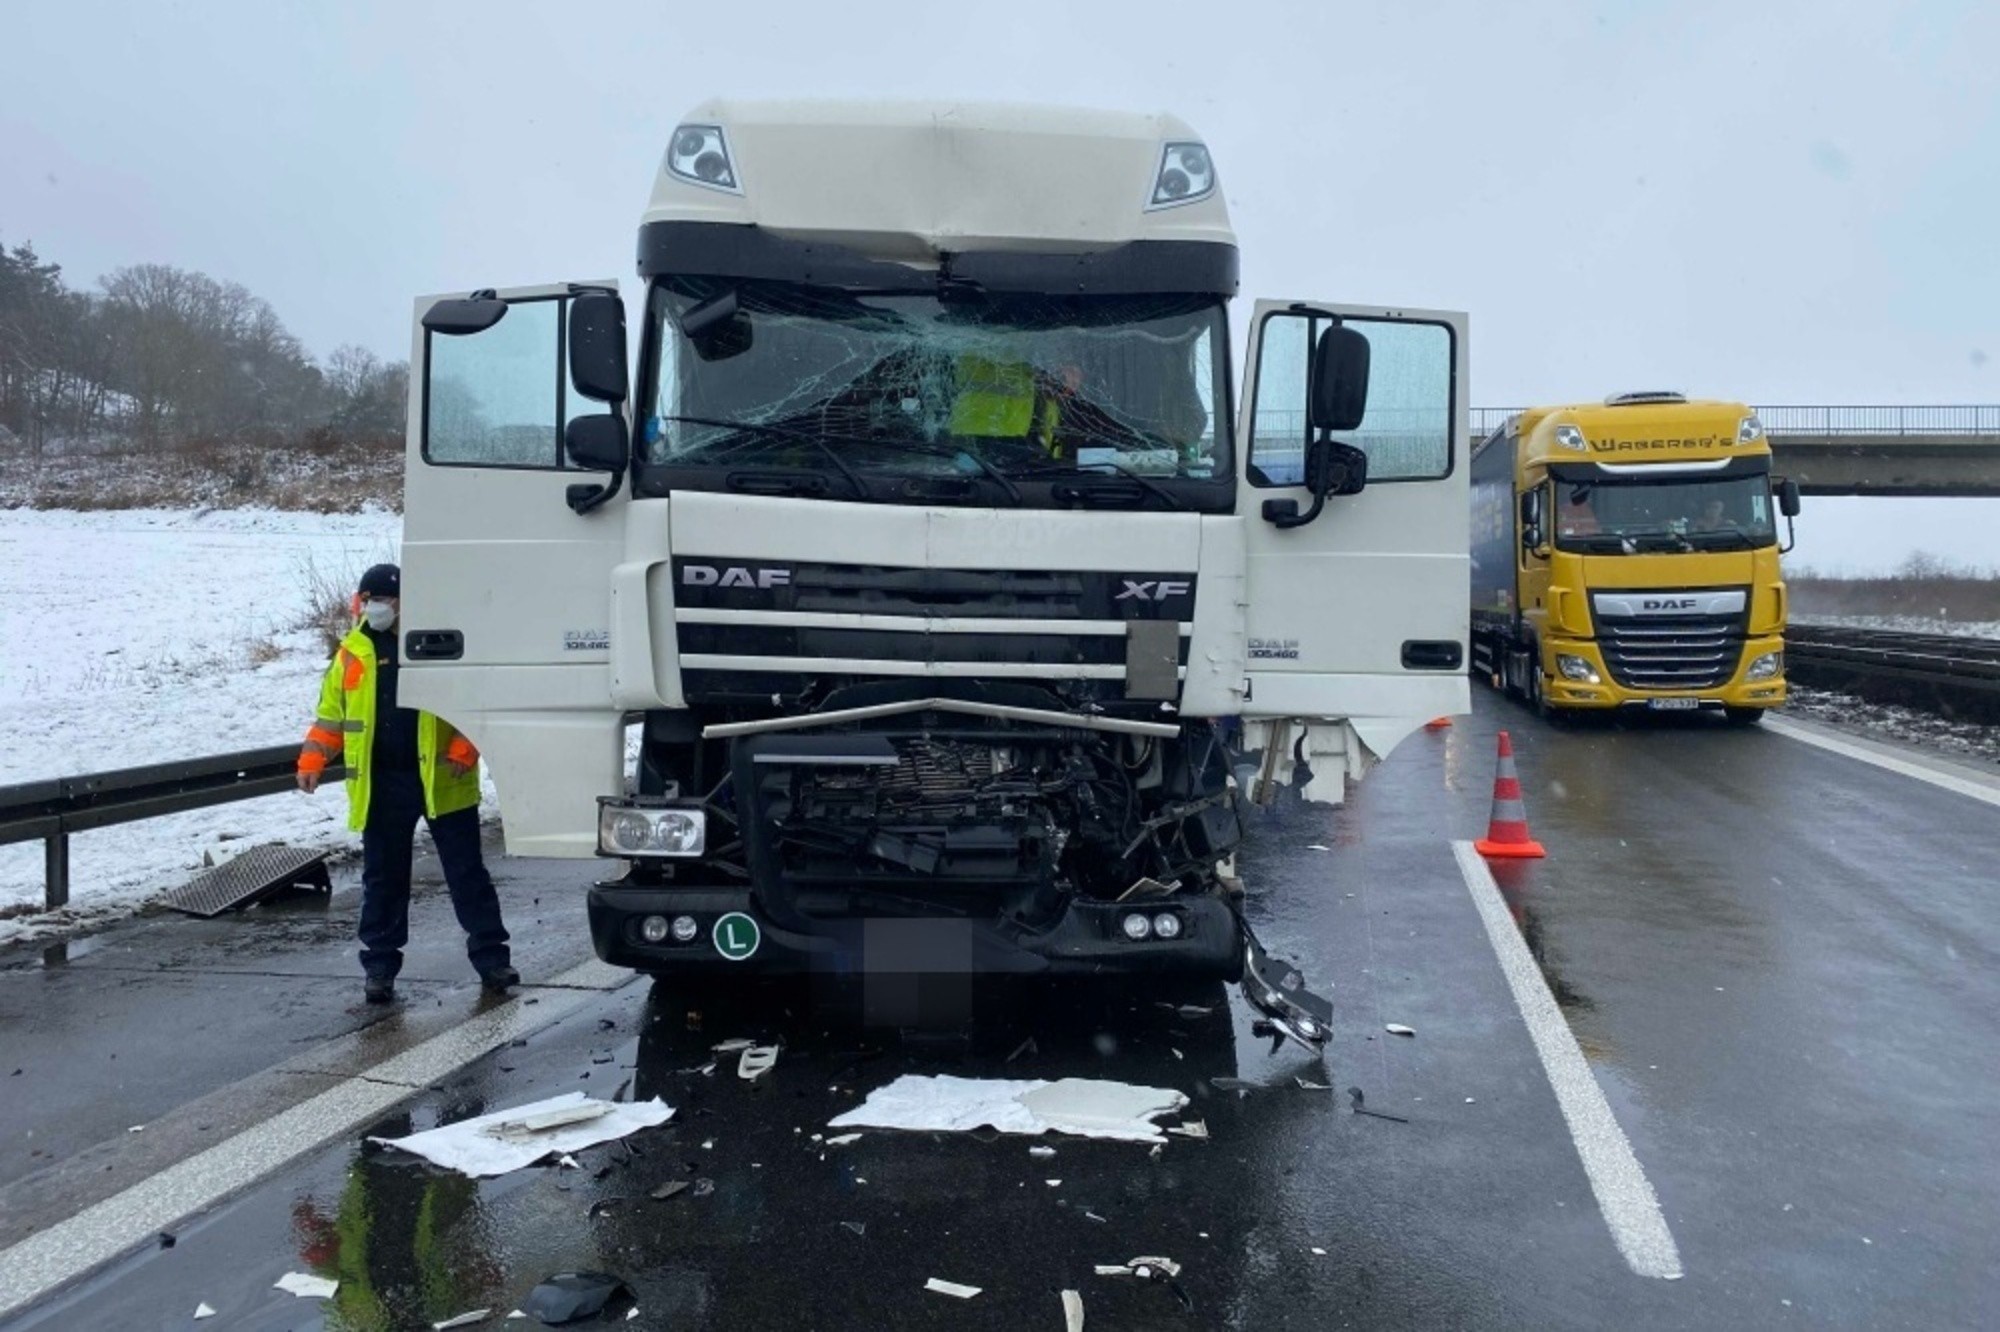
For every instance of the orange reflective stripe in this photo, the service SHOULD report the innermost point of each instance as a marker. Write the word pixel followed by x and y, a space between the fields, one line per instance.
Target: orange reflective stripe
pixel 353 671
pixel 321 734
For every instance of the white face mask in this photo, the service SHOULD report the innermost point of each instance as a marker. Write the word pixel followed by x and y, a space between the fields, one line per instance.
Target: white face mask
pixel 379 614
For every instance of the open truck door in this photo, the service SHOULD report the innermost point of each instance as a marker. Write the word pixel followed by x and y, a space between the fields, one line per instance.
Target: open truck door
pixel 514 508
pixel 1352 442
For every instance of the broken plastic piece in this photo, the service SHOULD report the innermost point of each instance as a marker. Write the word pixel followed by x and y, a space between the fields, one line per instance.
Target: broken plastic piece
pixel 732 1045
pixel 1092 1216
pixel 1042 1152
pixel 1072 1302
pixel 1312 1086
pixel 527 1126
pixel 307 1286
pixel 858 1227
pixel 669 1189
pixel 703 1187
pixel 568 1162
pixel 1398 1029
pixel 497 1143
pixel 1085 1107
pixel 842 1139
pixel 203 1311
pixel 757 1060
pixel 1144 888
pixel 951 1288
pixel 466 1319
pixel 1321 1252
pixel 1146 1268
pixel 568 1296
pixel 1277 990
pixel 1194 1128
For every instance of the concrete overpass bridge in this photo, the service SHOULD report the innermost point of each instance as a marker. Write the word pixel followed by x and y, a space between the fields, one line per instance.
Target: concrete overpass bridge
pixel 1914 450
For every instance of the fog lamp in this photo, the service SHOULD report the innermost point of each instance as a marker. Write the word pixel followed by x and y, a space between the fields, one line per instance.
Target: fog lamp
pixel 1167 925
pixel 1136 927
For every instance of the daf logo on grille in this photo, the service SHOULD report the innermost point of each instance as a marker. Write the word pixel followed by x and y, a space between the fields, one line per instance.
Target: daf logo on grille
pixel 1668 603
pixel 1151 589
pixel 709 575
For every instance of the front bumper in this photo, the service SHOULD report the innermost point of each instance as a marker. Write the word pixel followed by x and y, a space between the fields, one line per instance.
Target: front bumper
pixel 1086 940
pixel 1607 694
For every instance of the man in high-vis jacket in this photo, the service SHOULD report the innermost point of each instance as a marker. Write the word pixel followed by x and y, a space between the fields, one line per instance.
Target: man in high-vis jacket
pixel 402 765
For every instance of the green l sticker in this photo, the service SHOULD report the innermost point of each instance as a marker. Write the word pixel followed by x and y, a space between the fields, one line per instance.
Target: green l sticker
pixel 737 936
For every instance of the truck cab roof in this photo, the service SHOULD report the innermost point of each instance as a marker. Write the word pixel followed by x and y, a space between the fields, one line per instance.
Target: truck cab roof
pixel 1639 428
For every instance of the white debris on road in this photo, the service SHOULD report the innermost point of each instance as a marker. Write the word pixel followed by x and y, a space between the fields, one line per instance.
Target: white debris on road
pixel 497 1143
pixel 203 1311
pixel 1072 1302
pixel 952 1288
pixel 1141 1267
pixel 1398 1029
pixel 1084 1107
pixel 756 1061
pixel 469 1318
pixel 306 1286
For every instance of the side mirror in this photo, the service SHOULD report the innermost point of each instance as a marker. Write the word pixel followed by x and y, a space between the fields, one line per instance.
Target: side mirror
pixel 1333 468
pixel 1531 508
pixel 718 328
pixel 1339 396
pixel 598 442
pixel 455 319
pixel 1788 498
pixel 597 349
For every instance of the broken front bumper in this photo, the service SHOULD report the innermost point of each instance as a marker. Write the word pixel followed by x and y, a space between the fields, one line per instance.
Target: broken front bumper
pixel 731 933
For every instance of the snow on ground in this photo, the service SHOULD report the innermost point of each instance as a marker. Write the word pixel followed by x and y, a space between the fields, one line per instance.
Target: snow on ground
pixel 1907 624
pixel 1967 741
pixel 143 636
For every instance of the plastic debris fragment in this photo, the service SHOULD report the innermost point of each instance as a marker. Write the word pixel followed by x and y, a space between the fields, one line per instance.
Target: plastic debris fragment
pixel 951 1288
pixel 1085 1107
pixel 732 1045
pixel 1398 1029
pixel 757 1060
pixel 469 1318
pixel 307 1286
pixel 858 1227
pixel 1194 1128
pixel 507 1140
pixel 569 1296
pixel 1072 1302
pixel 1043 1152
pixel 669 1189
pixel 203 1311
pixel 1146 1268
pixel 842 1139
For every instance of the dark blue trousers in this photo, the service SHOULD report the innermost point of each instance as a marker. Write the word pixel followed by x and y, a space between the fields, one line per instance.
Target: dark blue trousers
pixel 395 804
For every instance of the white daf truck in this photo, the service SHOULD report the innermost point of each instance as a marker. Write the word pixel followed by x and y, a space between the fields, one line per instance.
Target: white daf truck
pixel 928 552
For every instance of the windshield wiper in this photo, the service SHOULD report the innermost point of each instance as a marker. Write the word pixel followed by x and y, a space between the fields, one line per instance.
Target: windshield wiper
pixel 1731 533
pixel 1151 486
pixel 824 442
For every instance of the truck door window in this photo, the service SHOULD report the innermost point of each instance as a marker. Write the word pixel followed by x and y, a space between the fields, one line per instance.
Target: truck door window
pixel 1411 397
pixel 495 398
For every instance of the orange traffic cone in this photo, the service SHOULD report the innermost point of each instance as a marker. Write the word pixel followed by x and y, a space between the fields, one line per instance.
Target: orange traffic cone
pixel 1507 831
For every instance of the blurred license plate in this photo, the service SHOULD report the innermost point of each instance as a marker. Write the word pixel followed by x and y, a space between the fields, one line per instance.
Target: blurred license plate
pixel 1673 704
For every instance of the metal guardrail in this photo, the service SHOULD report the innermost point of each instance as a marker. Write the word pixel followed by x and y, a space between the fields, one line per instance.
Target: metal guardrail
pixel 1954 419
pixel 54 809
pixel 1962 673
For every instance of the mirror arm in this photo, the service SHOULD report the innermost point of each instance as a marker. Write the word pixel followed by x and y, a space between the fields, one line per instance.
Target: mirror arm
pixel 1791 536
pixel 1275 511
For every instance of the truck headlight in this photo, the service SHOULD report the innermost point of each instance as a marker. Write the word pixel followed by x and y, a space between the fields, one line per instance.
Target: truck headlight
pixel 1766 667
pixel 1569 437
pixel 1749 430
pixel 699 154
pixel 637 830
pixel 1576 668
pixel 1186 173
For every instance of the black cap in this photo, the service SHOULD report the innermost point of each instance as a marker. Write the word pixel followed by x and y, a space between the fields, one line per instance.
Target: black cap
pixel 383 580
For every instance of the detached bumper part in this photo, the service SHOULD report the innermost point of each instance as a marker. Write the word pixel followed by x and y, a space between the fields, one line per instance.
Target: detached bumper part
pixel 1277 990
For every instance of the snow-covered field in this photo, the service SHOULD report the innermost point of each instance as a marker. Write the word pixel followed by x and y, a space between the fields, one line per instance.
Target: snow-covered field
pixel 145 636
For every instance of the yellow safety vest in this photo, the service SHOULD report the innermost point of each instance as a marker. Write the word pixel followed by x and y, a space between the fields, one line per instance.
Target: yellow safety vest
pixel 343 731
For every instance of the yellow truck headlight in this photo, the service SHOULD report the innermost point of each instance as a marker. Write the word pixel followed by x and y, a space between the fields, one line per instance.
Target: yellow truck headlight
pixel 1766 667
pixel 1749 430
pixel 1576 668
pixel 1569 437
pixel 650 830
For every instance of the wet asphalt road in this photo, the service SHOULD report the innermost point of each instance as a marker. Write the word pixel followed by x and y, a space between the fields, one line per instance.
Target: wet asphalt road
pixel 1779 963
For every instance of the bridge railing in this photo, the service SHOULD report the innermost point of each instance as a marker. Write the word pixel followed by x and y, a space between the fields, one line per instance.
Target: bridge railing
pixel 1955 419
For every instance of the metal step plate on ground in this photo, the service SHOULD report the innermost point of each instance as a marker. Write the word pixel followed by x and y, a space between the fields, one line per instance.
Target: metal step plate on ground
pixel 250 877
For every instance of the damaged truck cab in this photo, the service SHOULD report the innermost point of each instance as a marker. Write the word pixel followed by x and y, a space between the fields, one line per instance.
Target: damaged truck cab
pixel 910 600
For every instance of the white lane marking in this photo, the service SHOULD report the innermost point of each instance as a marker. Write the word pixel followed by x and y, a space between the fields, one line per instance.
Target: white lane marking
pixel 1624 1194
pixel 69 1249
pixel 1967 785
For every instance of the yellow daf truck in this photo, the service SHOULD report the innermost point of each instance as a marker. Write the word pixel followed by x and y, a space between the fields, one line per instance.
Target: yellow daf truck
pixel 1625 555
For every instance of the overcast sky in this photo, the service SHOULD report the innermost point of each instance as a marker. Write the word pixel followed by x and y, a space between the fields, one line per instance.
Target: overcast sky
pixel 1780 202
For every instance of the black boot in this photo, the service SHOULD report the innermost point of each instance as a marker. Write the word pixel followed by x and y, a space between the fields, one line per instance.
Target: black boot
pixel 379 989
pixel 500 979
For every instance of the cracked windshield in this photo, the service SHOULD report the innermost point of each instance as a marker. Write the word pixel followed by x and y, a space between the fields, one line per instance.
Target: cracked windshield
pixel 781 375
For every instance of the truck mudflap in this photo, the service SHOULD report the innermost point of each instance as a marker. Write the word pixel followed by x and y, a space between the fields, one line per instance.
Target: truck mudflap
pixel 1278 990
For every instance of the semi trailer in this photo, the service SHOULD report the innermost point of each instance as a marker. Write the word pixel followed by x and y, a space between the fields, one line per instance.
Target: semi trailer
pixel 917 584
pixel 1625 556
